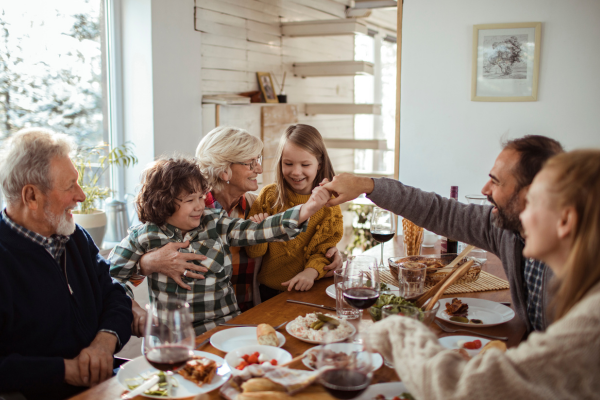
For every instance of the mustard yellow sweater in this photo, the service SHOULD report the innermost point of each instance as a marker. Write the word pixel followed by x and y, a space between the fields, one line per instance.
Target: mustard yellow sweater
pixel 284 260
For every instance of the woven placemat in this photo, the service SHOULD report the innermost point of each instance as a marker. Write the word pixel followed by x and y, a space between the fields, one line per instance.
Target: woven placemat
pixel 485 282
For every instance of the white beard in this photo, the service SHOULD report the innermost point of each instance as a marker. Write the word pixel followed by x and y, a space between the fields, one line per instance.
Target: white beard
pixel 60 223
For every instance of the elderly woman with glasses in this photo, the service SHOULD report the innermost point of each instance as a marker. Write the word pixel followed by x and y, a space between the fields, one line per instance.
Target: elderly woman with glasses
pixel 231 160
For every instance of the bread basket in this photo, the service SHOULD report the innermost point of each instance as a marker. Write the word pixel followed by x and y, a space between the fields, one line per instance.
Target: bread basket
pixel 435 262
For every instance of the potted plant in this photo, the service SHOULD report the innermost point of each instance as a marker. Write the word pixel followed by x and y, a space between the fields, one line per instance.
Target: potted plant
pixel 92 163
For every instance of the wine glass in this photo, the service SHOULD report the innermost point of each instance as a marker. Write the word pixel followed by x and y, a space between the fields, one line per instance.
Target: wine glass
pixel 169 339
pixel 383 227
pixel 346 369
pixel 361 284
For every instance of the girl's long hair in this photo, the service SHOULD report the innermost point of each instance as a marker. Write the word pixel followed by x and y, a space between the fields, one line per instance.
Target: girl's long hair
pixel 577 184
pixel 308 138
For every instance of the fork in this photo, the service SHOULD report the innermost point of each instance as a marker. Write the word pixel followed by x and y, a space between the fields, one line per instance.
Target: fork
pixel 450 330
pixel 251 326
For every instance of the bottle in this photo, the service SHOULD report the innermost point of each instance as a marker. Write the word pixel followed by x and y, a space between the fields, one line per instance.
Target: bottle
pixel 450 245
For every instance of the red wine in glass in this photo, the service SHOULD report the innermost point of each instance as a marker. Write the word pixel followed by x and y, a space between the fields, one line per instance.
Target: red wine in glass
pixel 382 236
pixel 345 383
pixel 361 297
pixel 168 357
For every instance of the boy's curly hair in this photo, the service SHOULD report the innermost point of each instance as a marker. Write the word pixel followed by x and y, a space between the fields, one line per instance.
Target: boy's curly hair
pixel 163 182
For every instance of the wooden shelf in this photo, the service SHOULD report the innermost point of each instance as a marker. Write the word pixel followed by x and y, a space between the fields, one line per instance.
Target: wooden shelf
pixel 341 108
pixel 333 27
pixel 333 68
pixel 373 144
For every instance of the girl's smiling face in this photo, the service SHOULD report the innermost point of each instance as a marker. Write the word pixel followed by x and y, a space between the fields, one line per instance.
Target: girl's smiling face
pixel 299 168
pixel 190 208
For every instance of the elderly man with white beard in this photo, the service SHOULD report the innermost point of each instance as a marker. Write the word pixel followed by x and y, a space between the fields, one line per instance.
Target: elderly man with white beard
pixel 61 316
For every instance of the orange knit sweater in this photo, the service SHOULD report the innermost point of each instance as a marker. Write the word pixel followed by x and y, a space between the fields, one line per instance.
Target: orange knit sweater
pixel 284 260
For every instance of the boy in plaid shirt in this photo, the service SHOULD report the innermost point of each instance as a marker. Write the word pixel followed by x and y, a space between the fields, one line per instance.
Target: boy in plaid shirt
pixel 171 206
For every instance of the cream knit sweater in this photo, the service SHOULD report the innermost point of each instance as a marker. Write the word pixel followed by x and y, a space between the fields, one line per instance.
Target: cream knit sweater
pixel 561 363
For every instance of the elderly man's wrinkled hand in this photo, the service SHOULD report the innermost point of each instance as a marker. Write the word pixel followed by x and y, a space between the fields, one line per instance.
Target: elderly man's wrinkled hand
pixel 336 263
pixel 170 262
pixel 96 361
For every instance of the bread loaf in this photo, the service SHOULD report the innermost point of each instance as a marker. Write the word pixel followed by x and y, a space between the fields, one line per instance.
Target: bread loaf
pixel 266 335
pixel 262 385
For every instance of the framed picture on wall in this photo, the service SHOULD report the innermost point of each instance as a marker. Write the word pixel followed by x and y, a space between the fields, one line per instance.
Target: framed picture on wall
pixel 506 61
pixel 265 81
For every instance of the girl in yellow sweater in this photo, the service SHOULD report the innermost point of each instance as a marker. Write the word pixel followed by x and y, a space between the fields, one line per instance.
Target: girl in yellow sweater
pixel 302 163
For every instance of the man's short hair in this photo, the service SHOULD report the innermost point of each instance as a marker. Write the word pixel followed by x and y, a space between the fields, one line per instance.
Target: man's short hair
pixel 26 157
pixel 534 151
pixel 162 182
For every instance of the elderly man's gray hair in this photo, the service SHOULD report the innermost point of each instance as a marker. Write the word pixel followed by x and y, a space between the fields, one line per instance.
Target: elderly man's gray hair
pixel 25 160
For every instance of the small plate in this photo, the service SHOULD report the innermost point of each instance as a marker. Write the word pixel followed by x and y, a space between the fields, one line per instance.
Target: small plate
pixel 139 365
pixel 233 358
pixel 490 312
pixel 388 389
pixel 331 290
pixel 287 328
pixel 451 342
pixel 233 338
pixel 347 348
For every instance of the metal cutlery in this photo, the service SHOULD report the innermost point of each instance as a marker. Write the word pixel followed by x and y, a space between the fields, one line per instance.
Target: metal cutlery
pixel 311 304
pixel 202 343
pixel 142 388
pixel 450 330
pixel 251 326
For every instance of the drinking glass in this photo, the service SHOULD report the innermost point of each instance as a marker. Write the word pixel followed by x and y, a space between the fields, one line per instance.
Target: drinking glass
pixel 344 377
pixel 342 308
pixel 411 278
pixel 170 336
pixel 361 284
pixel 383 227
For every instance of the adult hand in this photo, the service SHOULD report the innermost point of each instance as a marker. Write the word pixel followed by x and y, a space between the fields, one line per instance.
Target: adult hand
pixel 96 361
pixel 346 187
pixel 170 262
pixel 138 326
pixel 336 263
pixel 260 217
pixel 303 281
pixel 72 375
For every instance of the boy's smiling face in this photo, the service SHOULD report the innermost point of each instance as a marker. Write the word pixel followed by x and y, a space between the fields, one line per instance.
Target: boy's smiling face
pixel 190 208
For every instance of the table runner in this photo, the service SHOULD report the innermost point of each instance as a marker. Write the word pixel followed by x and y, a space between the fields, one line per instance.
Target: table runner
pixel 485 282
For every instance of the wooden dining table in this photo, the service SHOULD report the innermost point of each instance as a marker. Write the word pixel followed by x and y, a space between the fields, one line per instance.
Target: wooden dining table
pixel 277 310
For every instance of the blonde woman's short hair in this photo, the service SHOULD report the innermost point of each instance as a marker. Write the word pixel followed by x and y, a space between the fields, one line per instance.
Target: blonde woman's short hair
pixel 223 146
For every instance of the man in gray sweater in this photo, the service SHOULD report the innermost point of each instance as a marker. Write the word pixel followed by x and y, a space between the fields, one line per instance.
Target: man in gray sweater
pixel 494 228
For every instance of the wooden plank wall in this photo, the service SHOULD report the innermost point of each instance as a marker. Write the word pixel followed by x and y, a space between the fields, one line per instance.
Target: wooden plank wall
pixel 241 37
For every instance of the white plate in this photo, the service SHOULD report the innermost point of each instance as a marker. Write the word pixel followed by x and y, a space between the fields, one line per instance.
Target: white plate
pixel 331 290
pixel 233 338
pixel 388 389
pixel 287 328
pixel 347 348
pixel 450 342
pixel 186 388
pixel 490 312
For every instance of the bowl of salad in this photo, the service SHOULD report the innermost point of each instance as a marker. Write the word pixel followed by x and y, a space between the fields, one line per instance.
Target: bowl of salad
pixel 392 303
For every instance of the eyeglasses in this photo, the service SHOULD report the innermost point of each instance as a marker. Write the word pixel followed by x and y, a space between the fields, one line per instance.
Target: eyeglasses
pixel 252 164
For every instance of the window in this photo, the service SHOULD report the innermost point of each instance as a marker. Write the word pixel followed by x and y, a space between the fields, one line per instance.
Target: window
pixel 52 70
pixel 380 88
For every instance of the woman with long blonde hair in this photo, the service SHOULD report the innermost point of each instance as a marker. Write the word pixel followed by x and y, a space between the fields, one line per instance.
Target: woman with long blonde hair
pixel 562 228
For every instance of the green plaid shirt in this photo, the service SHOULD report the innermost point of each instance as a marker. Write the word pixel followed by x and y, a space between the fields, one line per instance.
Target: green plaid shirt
pixel 212 300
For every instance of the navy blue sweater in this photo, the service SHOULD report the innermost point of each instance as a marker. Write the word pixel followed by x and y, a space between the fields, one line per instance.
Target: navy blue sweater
pixel 41 323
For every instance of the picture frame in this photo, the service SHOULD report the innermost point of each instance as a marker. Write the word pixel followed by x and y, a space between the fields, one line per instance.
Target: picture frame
pixel 265 81
pixel 506 61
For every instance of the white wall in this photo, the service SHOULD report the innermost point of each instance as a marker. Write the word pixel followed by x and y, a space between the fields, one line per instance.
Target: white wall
pixel 446 139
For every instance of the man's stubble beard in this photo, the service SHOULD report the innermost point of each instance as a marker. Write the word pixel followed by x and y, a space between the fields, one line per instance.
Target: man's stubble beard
pixel 60 223
pixel 508 217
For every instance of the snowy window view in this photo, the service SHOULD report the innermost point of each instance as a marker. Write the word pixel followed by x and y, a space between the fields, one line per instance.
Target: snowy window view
pixel 379 89
pixel 52 70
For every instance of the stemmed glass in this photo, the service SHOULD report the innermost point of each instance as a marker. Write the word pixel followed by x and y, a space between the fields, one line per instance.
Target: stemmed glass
pixel 361 283
pixel 169 339
pixel 383 227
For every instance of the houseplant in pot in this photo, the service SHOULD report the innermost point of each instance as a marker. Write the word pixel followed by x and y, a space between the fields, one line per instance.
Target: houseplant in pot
pixel 92 163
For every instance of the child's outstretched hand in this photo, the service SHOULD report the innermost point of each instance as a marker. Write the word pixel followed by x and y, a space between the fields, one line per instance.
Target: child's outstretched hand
pixel 303 281
pixel 319 197
pixel 260 217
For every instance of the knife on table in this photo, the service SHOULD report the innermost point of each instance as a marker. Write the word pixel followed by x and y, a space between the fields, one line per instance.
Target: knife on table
pixel 311 304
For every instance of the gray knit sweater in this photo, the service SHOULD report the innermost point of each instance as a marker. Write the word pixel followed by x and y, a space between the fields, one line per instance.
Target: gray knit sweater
pixel 467 223
pixel 560 363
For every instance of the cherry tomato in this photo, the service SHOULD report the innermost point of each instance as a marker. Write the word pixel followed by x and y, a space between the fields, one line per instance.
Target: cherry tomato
pixel 245 357
pixel 253 359
pixel 273 362
pixel 477 344
pixel 256 353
